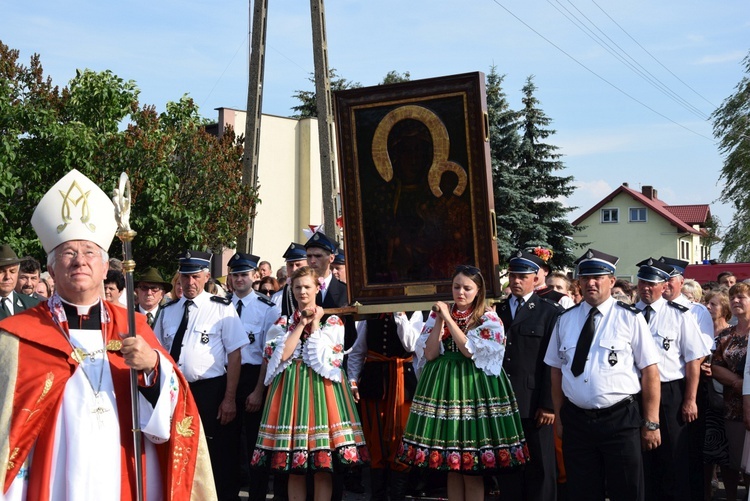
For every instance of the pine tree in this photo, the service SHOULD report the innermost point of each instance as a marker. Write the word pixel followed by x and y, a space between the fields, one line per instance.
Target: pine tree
pixel 537 164
pixel 511 200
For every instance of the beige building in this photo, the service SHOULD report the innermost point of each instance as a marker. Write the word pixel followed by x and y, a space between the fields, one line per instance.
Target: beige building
pixel 289 180
pixel 636 225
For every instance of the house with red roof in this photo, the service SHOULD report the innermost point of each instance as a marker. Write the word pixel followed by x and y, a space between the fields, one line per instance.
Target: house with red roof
pixel 635 225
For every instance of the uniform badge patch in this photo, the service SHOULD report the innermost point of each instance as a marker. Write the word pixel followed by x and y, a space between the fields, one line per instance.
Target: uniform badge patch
pixel 612 358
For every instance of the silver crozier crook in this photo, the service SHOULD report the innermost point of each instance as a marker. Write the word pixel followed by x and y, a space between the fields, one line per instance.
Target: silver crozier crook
pixel 121 199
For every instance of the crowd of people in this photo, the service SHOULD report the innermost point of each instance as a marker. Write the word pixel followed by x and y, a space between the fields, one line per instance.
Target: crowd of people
pixel 585 388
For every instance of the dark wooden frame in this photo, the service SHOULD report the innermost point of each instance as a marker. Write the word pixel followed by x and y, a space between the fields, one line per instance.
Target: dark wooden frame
pixel 395 219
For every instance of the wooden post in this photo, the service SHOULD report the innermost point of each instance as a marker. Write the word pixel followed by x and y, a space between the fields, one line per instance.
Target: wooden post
pixel 254 111
pixel 325 118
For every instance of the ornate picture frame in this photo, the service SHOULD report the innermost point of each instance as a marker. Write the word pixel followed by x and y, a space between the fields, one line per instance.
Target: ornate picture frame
pixel 416 188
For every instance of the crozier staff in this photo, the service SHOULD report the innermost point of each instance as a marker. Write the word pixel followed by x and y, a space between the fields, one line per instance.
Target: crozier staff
pixel 63 434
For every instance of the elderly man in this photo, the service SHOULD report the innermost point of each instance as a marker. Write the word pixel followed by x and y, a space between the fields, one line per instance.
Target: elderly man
pixel 681 351
pixel 697 428
pixel 597 352
pixel 65 406
pixel 11 300
pixel 204 335
pixel 150 288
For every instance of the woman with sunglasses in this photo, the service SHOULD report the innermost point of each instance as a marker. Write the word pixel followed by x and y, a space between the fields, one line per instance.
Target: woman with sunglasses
pixel 464 418
pixel 268 286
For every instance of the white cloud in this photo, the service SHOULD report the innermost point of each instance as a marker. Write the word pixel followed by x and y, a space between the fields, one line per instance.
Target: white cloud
pixel 728 57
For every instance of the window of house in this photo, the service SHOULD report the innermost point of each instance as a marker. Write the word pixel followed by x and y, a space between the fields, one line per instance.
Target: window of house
pixel 685 250
pixel 637 215
pixel 610 215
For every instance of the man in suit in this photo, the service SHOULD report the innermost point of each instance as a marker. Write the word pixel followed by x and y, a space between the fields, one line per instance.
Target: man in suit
pixel 11 302
pixel 321 251
pixel 150 288
pixel 529 321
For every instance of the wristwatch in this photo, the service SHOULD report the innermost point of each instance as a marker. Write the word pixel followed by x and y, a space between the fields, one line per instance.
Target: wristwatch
pixel 650 425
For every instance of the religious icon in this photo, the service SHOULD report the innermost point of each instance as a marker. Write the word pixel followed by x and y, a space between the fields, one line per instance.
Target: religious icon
pixel 416 187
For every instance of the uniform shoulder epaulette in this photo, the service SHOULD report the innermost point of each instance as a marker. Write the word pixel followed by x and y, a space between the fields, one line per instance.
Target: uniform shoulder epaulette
pixel 628 306
pixel 553 303
pixel 170 303
pixel 264 299
pixel 566 310
pixel 223 300
pixel 678 306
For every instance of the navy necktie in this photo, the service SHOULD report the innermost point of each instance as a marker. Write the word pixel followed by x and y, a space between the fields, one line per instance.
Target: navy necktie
pixel 584 344
pixel 180 335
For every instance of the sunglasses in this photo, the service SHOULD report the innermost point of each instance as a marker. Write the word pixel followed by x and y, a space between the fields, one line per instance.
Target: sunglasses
pixel 468 269
pixel 267 292
pixel 146 288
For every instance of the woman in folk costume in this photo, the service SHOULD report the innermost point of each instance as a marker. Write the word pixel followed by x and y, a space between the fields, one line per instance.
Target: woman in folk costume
pixel 464 418
pixel 310 423
pixel 65 402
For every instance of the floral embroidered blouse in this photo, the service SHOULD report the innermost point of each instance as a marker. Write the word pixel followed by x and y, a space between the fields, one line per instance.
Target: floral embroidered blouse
pixel 731 352
pixel 320 347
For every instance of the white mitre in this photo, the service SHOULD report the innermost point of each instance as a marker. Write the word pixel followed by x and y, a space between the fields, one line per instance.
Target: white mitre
pixel 74 209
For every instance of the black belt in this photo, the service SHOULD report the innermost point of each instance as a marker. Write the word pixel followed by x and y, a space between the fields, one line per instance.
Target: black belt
pixel 598 413
pixel 201 382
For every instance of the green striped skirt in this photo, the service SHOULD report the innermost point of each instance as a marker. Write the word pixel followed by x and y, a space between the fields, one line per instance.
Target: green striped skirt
pixel 309 423
pixel 463 420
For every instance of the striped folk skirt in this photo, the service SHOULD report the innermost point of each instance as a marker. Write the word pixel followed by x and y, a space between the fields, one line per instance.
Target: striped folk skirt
pixel 463 420
pixel 309 423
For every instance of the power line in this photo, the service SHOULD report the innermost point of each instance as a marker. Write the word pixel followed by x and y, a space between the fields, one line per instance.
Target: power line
pixel 636 67
pixel 596 74
pixel 654 57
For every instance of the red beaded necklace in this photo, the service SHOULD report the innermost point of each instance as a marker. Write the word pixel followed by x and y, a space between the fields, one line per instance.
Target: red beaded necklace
pixel 460 317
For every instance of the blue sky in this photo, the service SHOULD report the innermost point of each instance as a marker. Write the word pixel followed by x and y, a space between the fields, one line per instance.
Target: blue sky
pixel 693 48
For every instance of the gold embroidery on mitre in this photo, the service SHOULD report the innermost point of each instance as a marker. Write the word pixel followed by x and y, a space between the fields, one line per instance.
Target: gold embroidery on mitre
pixel 66 209
pixel 183 427
pixel 47 387
pixel 13 455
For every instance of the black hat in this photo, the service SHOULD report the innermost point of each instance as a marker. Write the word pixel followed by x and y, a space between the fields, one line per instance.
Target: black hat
pixel 295 252
pixel 194 261
pixel 319 239
pixel 594 263
pixel 678 265
pixel 152 276
pixel 7 256
pixel 524 262
pixel 652 270
pixel 339 257
pixel 241 262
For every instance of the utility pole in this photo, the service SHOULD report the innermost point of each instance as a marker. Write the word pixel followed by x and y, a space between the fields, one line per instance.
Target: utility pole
pixel 254 111
pixel 325 118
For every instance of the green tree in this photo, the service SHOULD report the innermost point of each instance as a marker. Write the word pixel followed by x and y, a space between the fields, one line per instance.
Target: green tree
pixel 512 202
pixel 186 183
pixel 307 107
pixel 394 76
pixel 731 123
pixel 538 163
